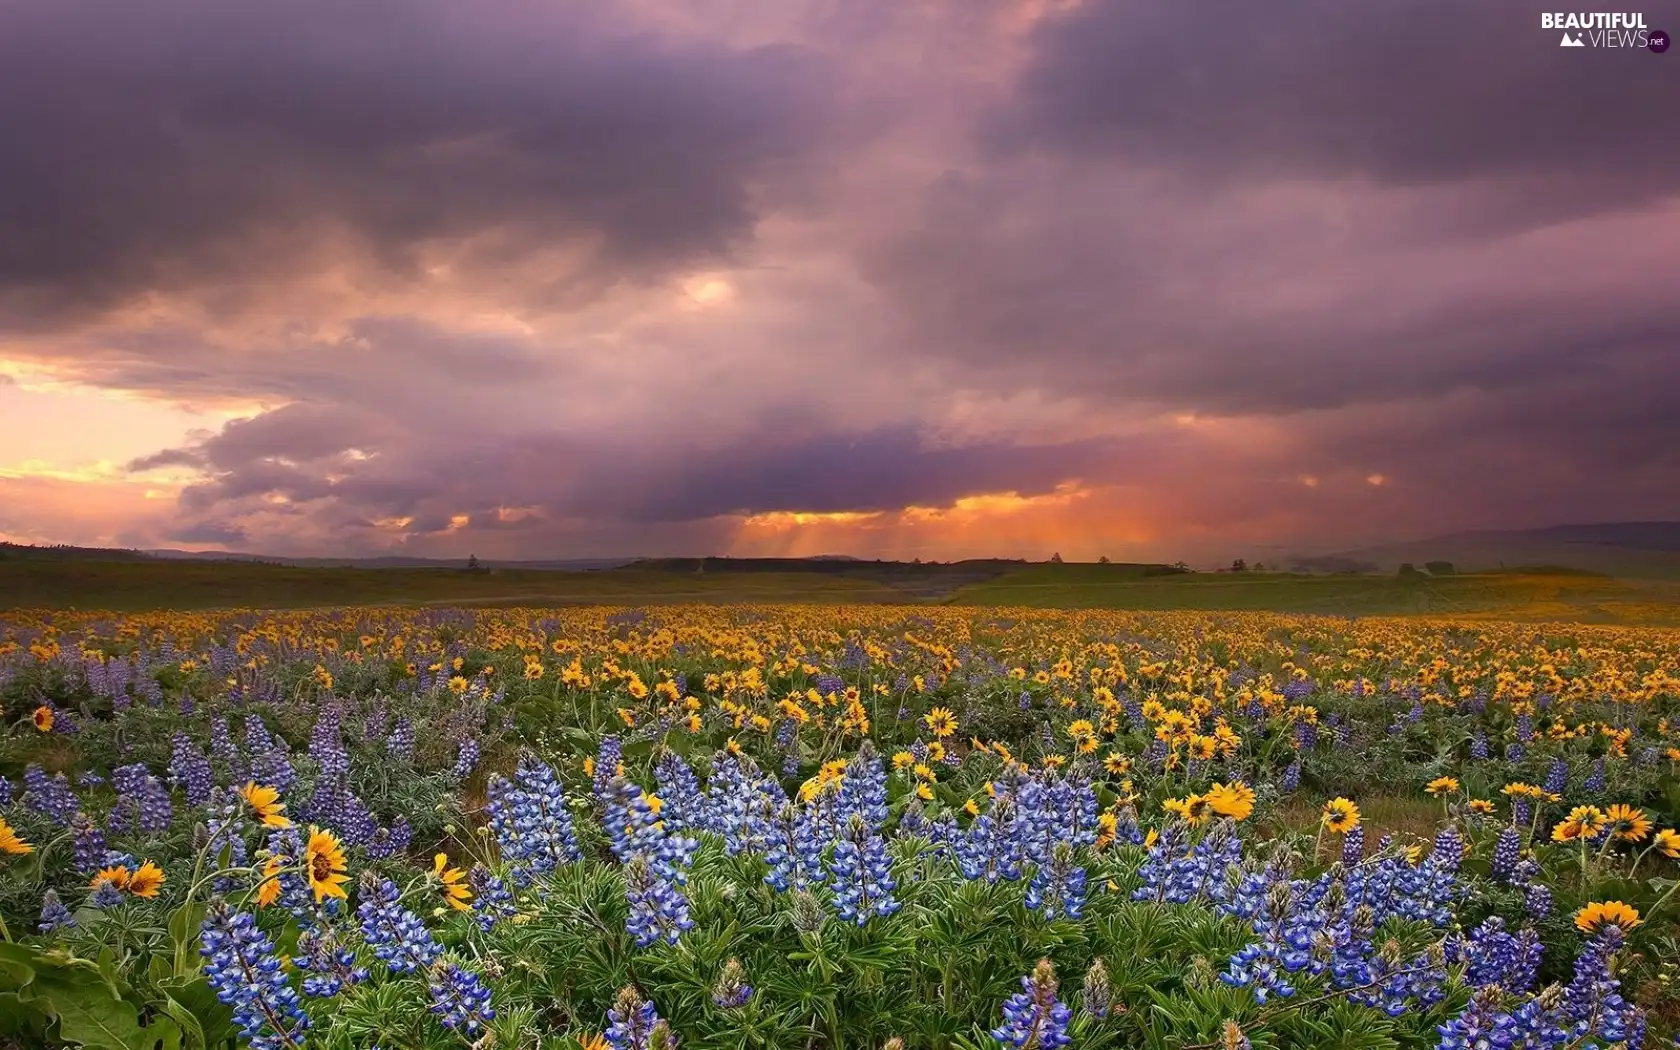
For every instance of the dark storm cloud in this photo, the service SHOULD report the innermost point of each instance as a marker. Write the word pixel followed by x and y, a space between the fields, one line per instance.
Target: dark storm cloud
pixel 885 469
pixel 1399 91
pixel 209 532
pixel 1223 263
pixel 434 477
pixel 187 145
pixel 1270 298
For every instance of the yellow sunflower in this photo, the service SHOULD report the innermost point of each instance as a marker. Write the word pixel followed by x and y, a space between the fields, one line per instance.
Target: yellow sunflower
pixel 1599 914
pixel 146 880
pixel 455 891
pixel 1628 823
pixel 941 722
pixel 1441 785
pixel 1108 826
pixel 1116 764
pixel 1583 822
pixel 323 865
pixel 268 891
pixel 10 842
pixel 44 718
pixel 1340 815
pixel 1234 800
pixel 1482 807
pixel 115 877
pixel 1193 809
pixel 1667 843
pixel 265 804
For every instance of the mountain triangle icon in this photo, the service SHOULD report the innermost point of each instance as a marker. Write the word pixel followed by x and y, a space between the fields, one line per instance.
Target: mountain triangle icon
pixel 1571 41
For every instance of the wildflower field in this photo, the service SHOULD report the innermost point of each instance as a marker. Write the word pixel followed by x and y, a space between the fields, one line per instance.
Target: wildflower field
pixel 835 827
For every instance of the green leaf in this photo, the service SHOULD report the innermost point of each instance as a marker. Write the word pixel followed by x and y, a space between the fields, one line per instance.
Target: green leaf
pixel 184 925
pixel 20 1019
pixel 192 1003
pixel 90 1013
pixel 17 964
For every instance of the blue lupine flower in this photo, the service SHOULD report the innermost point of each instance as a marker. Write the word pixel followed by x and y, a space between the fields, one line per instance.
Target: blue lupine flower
pixel 105 895
pixel 1034 1017
pixel 269 762
pixel 658 910
pixel 1557 776
pixel 633 1024
pixel 492 901
pixel 863 788
pixel 460 998
pixel 1482 1026
pixel 531 820
pixel 1493 956
pixel 242 967
pixel 607 761
pixel 190 770
pixel 732 990
pixel 862 878
pixel 739 804
pixel 796 849
pixel 145 801
pixel 1515 752
pixel 1353 846
pixel 1479 746
pixel 1058 888
pixel 1306 735
pixel 51 797
pixel 400 744
pixel 54 915
pixel 988 849
pixel 89 844
pixel 466 759
pixel 1291 777
pixel 397 936
pixel 1595 780
pixel 329 964
pixel 295 895
pixel 223 750
pixel 1537 901
pixel 326 745
pixel 1156 872
pixel 1401 985
pixel 1505 853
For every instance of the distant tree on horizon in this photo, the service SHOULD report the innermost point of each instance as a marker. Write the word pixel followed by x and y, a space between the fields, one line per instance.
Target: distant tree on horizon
pixel 1103 560
pixel 1055 559
pixel 1238 565
pixel 1440 568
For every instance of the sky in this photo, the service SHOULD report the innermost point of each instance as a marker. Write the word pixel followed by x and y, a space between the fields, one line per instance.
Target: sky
pixel 928 278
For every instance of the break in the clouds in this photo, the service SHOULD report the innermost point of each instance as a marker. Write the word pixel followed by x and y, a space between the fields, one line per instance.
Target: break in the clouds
pixel 945 278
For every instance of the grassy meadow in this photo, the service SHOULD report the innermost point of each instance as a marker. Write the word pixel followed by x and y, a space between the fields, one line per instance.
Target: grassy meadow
pixel 1531 595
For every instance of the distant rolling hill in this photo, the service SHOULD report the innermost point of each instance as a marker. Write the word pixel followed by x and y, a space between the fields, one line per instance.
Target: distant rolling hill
pixel 390 561
pixel 1632 549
